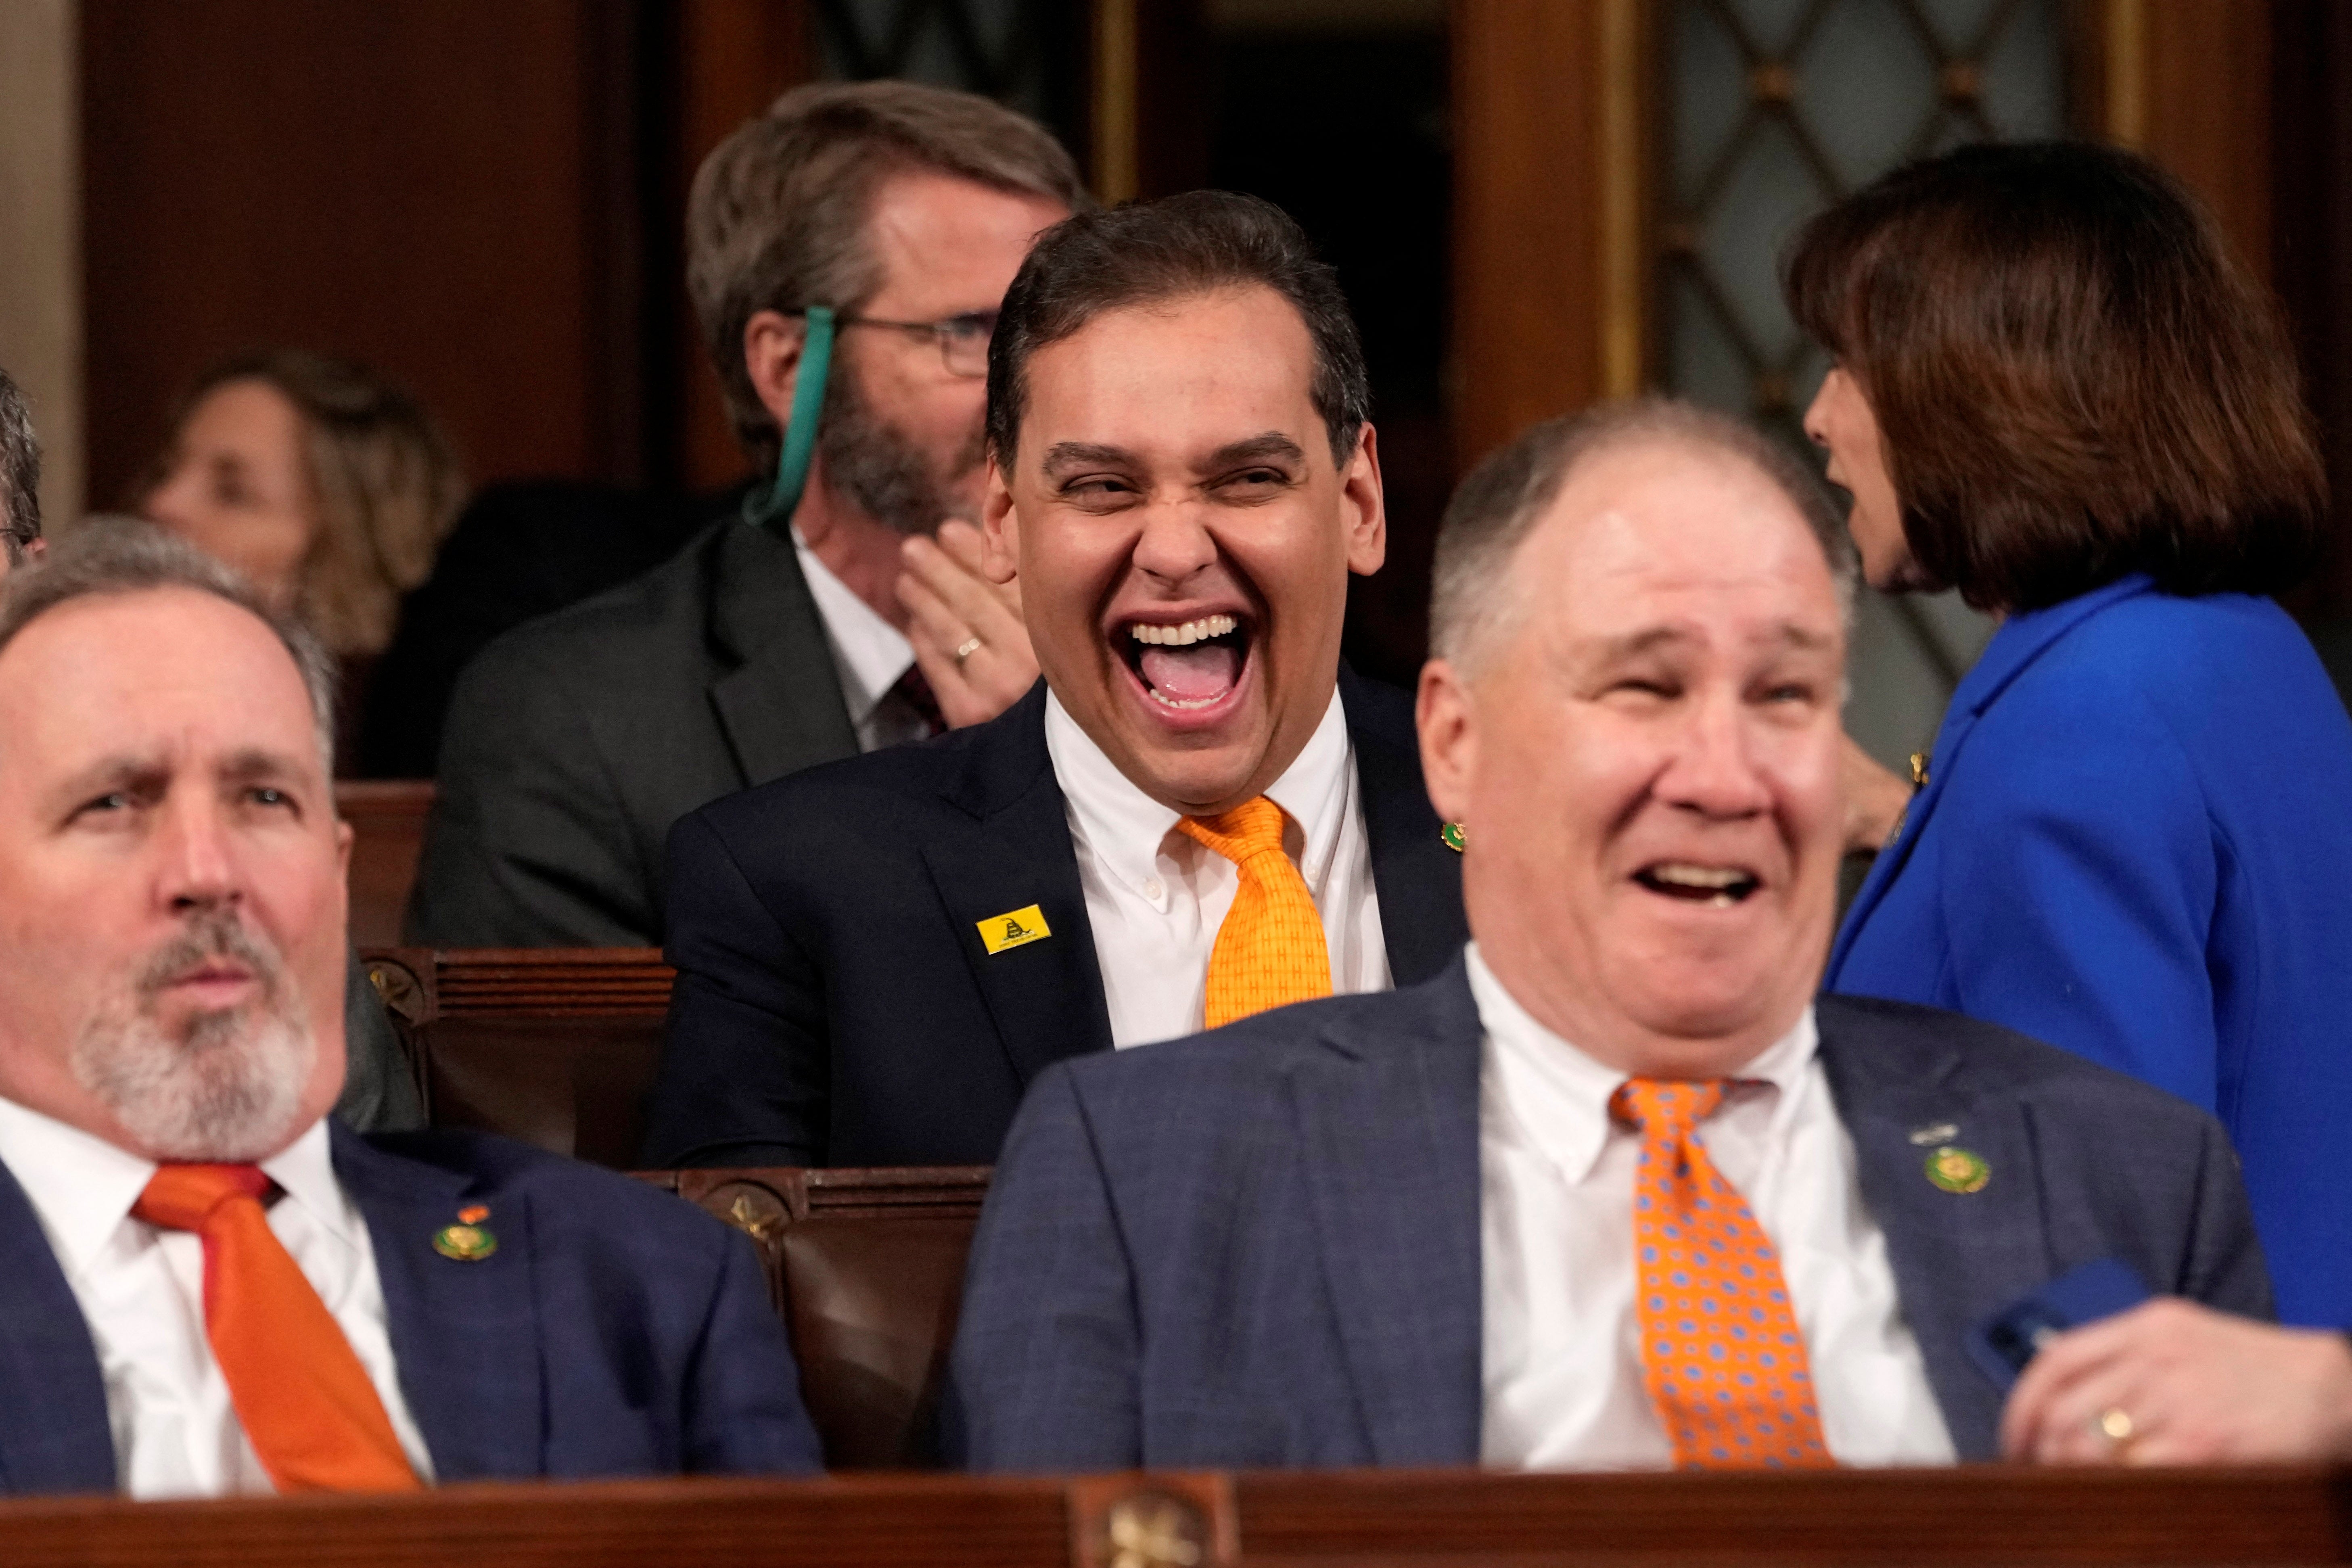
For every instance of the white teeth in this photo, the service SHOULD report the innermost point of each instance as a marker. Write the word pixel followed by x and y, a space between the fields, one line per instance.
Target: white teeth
pixel 1683 876
pixel 1166 702
pixel 1182 635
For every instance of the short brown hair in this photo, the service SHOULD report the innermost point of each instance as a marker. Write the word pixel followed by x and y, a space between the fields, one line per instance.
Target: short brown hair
pixel 1196 243
pixel 2073 379
pixel 382 474
pixel 109 555
pixel 777 218
pixel 1499 503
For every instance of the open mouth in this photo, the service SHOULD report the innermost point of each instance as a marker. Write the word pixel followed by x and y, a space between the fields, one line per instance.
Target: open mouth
pixel 1717 887
pixel 1186 665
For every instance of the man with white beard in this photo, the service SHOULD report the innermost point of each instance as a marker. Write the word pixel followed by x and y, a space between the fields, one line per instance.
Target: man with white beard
pixel 207 1286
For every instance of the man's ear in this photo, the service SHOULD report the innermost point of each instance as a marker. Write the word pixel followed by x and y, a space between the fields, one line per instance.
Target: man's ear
pixel 772 358
pixel 1364 506
pixel 1448 724
pixel 1000 526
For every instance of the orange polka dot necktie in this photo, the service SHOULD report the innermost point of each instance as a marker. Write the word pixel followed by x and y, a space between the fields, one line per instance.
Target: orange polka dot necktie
pixel 1721 1353
pixel 306 1402
pixel 1270 950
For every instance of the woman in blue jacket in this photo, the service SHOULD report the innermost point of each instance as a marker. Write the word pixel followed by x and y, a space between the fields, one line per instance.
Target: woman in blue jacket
pixel 2055 391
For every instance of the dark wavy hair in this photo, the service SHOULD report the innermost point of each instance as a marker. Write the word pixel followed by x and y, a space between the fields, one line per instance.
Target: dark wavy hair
pixel 2072 378
pixel 1146 251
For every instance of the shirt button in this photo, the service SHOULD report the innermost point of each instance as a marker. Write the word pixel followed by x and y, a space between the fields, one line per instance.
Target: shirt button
pixel 1155 890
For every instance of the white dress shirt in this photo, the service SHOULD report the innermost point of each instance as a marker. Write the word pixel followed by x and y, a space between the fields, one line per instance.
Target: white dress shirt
pixel 1563 1353
pixel 141 1290
pixel 1156 897
pixel 870 654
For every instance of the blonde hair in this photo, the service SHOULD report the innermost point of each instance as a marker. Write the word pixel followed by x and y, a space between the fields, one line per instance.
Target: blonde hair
pixel 384 480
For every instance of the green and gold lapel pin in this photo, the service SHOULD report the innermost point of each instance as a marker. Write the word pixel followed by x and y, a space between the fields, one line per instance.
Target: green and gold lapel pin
pixel 1959 1170
pixel 1450 834
pixel 469 1240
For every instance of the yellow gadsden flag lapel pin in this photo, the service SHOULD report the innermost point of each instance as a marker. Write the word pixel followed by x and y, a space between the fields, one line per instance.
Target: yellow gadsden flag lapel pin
pixel 1018 927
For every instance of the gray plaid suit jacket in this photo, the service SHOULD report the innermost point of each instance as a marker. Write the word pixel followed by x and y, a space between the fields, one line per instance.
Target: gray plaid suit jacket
pixel 1260 1247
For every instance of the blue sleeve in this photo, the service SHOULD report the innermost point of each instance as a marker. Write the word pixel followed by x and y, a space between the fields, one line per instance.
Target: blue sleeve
pixel 1045 1370
pixel 743 1411
pixel 2079 883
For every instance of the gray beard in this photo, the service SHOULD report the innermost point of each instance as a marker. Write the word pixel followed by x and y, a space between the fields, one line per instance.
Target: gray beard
pixel 228 1085
pixel 877 465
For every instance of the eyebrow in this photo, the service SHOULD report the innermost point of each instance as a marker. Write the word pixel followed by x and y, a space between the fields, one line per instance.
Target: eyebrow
pixel 1064 455
pixel 1788 634
pixel 1271 445
pixel 131 771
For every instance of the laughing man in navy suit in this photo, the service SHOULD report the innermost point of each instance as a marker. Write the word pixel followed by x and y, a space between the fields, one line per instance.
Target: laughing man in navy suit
pixel 876 957
pixel 1616 1189
pixel 206 1285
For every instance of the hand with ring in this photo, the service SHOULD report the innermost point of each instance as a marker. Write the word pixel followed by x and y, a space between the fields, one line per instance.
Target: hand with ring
pixel 2171 1382
pixel 969 637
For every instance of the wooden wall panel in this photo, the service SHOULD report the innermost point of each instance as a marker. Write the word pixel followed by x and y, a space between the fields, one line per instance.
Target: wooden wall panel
pixel 732 59
pixel 441 188
pixel 1528 280
pixel 2189 83
pixel 1552 112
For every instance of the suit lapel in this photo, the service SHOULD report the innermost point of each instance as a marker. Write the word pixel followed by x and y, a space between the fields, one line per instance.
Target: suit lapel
pixel 54 1432
pixel 1958 1257
pixel 2018 642
pixel 464 1335
pixel 1044 996
pixel 782 706
pixel 1417 879
pixel 1387 1114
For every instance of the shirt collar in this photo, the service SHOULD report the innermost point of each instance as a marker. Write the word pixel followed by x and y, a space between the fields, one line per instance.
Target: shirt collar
pixel 869 651
pixel 1125 830
pixel 82 1187
pixel 1559 1096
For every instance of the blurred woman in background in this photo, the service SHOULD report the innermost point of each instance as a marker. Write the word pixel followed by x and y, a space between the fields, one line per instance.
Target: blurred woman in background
pixel 2055 391
pixel 328 486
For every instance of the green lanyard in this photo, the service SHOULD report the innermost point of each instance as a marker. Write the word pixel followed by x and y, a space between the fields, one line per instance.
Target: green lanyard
pixel 799 432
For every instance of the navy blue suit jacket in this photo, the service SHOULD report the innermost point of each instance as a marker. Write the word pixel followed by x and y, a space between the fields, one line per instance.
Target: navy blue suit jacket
pixel 1261 1247
pixel 834 1003
pixel 615 1331
pixel 2136 842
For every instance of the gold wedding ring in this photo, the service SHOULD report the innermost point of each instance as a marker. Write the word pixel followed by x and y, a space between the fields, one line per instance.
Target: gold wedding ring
pixel 966 649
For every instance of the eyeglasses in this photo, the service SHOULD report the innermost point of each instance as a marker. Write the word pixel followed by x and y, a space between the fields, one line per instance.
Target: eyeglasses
pixel 964 340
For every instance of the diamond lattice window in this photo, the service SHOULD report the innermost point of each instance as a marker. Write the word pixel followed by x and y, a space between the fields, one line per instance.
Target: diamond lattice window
pixel 1774 110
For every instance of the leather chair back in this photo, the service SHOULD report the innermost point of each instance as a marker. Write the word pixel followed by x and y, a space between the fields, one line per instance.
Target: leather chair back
pixel 867 1268
pixel 556 1046
pixel 387 818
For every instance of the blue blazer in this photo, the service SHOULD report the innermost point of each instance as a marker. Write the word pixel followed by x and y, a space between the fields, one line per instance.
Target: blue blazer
pixel 1260 1247
pixel 615 1331
pixel 2136 842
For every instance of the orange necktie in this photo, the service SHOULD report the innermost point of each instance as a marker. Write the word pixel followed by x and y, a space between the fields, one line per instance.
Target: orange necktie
pixel 1270 951
pixel 300 1393
pixel 1725 1364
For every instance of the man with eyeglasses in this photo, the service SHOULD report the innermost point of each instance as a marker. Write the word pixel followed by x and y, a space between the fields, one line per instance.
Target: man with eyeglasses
pixel 847 250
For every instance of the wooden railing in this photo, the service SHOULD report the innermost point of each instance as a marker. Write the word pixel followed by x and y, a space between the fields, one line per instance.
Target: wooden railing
pixel 1991 1516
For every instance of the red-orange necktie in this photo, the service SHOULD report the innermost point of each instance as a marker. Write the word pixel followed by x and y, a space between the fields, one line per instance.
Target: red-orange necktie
pixel 1270 949
pixel 1721 1352
pixel 300 1393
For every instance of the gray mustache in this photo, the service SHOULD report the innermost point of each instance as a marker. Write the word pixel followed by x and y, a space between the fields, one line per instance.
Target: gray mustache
pixel 211 934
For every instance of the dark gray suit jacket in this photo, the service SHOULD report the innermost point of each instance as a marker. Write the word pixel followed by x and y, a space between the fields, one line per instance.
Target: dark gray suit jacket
pixel 574 741
pixel 1260 1247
